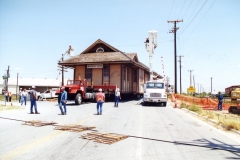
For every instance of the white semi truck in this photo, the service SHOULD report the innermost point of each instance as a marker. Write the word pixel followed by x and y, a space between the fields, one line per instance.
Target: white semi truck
pixel 154 92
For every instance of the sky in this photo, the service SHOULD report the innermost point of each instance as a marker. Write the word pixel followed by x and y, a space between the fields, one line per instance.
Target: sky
pixel 35 34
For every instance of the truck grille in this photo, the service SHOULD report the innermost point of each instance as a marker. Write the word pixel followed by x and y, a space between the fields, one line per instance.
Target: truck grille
pixel 155 95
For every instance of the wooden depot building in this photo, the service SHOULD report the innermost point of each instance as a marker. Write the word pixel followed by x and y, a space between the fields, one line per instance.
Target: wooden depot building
pixel 102 64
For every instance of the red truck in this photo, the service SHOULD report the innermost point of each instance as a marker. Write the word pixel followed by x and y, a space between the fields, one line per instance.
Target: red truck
pixel 79 91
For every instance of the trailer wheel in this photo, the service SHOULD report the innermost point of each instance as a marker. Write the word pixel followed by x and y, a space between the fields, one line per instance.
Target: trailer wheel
pixel 78 99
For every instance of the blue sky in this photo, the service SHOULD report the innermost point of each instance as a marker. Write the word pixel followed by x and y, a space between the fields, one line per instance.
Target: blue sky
pixel 35 33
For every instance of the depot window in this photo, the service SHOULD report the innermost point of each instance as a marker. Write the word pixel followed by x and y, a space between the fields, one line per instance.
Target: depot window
pixel 106 73
pixel 89 73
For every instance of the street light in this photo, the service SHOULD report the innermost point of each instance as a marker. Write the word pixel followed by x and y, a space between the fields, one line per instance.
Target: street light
pixel 70 52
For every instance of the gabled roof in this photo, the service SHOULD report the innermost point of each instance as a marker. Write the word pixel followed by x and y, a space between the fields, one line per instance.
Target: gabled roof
pixel 110 54
pixel 133 56
pixel 99 43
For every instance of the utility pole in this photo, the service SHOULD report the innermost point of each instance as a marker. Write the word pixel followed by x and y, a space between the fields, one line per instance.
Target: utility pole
pixel 193 82
pixel 174 30
pixel 17 87
pixel 8 75
pixel 180 66
pixel 167 79
pixel 70 52
pixel 62 72
pixel 211 85
pixel 190 77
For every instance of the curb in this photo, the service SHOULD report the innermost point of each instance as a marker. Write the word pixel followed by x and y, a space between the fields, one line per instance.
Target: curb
pixel 209 120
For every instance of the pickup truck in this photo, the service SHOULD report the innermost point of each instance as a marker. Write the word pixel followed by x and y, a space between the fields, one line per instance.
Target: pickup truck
pixel 48 94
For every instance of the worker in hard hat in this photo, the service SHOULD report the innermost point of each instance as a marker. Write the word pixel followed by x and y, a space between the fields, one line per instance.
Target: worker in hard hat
pixel 100 98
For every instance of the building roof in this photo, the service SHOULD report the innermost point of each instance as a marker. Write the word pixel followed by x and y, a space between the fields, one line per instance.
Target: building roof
pixel 108 54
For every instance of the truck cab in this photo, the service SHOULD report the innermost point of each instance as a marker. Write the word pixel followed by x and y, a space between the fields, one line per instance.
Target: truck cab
pixel 79 90
pixel 154 92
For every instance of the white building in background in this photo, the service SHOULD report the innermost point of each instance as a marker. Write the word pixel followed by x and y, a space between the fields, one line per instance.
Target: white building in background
pixel 43 84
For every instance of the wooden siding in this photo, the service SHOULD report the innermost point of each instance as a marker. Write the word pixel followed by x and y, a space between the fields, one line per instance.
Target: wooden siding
pixel 115 72
pixel 146 76
pixel 141 80
pixel 97 76
pixel 79 72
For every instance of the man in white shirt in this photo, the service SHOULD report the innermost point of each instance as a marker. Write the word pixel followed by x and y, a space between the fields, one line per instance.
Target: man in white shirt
pixel 24 95
pixel 117 97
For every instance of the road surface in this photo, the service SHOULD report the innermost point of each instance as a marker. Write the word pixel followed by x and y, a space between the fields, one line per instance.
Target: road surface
pixel 155 133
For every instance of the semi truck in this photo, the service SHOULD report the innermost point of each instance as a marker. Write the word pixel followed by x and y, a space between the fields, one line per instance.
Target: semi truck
pixel 154 92
pixel 79 91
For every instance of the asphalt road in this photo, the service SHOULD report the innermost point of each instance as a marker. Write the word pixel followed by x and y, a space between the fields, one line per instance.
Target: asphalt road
pixel 155 133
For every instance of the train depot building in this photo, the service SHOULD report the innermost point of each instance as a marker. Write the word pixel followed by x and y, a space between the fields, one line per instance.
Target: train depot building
pixel 102 64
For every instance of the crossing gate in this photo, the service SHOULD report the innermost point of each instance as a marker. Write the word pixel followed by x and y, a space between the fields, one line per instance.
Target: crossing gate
pixel 106 138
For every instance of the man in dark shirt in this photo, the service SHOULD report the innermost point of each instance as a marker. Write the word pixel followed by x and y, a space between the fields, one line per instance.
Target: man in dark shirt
pixel 33 99
pixel 220 101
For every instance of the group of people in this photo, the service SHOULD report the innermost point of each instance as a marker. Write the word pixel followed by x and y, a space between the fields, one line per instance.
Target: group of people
pixel 100 98
pixel 23 96
pixel 8 96
pixel 33 98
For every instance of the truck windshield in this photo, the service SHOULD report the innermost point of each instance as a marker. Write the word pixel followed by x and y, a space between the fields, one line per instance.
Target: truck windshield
pixel 73 82
pixel 155 85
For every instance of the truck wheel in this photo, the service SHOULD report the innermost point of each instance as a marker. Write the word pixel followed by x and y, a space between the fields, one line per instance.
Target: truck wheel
pixel 164 104
pixel 78 99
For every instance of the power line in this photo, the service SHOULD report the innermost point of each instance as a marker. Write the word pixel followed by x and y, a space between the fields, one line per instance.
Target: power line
pixel 199 22
pixel 187 9
pixel 181 9
pixel 194 17
pixel 171 9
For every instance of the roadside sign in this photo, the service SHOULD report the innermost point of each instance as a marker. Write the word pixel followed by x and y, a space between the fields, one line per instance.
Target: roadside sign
pixel 191 89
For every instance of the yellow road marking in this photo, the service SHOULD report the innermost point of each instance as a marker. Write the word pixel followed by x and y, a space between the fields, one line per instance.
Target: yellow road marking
pixel 29 146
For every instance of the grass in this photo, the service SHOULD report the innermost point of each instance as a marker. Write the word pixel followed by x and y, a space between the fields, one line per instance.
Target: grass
pixel 2 98
pixel 4 108
pixel 228 121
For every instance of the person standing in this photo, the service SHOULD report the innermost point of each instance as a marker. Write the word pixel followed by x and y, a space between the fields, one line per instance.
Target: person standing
pixel 33 99
pixel 24 97
pixel 100 98
pixel 10 96
pixel 63 101
pixel 20 93
pixel 220 101
pixel 117 97
pixel 6 96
